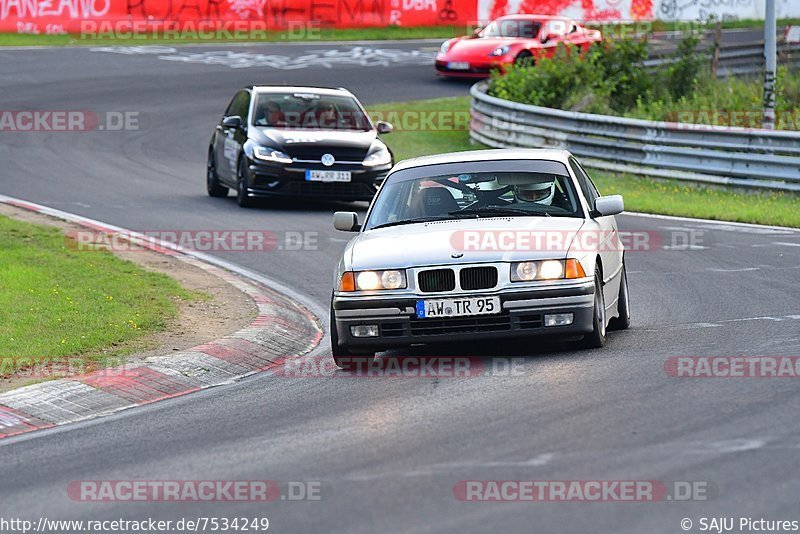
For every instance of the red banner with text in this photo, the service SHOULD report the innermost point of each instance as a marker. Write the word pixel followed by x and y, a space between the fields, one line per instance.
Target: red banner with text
pixel 106 16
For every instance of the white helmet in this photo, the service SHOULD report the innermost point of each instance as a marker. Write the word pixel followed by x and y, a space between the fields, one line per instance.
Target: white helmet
pixel 539 192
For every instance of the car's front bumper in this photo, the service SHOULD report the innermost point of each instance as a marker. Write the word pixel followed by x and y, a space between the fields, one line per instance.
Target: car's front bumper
pixel 481 69
pixel 274 179
pixel 522 316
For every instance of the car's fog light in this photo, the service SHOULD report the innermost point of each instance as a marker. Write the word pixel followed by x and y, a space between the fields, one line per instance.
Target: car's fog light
pixel 368 330
pixel 558 319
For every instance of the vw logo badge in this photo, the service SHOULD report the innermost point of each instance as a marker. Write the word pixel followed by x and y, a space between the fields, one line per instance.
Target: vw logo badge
pixel 328 160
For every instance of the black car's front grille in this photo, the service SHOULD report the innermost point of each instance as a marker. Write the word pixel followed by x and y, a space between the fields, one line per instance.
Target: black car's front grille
pixel 312 152
pixel 324 189
pixel 460 325
pixel 437 280
pixel 478 278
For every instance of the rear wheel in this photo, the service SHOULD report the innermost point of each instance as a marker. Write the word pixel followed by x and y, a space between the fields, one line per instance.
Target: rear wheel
pixel 241 185
pixel 623 305
pixel 597 337
pixel 213 185
pixel 344 357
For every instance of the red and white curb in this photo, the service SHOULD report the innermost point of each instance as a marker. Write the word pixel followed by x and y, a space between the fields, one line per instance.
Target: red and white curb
pixel 284 328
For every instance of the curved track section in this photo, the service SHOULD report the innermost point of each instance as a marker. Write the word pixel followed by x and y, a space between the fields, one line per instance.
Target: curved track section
pixel 390 451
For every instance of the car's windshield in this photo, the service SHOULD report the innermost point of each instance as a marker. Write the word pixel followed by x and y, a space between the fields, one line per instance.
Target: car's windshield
pixel 309 111
pixel 523 28
pixel 477 194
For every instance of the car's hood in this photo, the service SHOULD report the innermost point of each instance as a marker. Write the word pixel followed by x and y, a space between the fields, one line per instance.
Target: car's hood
pixel 477 48
pixel 462 241
pixel 286 139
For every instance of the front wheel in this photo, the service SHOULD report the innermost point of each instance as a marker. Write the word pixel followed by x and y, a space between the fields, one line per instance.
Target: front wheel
pixel 524 59
pixel 597 337
pixel 213 185
pixel 242 199
pixel 623 305
pixel 343 357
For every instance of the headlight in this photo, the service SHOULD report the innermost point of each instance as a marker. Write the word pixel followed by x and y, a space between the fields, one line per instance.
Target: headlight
pixel 500 51
pixel 527 271
pixel 380 156
pixel 445 47
pixel 271 154
pixel 373 280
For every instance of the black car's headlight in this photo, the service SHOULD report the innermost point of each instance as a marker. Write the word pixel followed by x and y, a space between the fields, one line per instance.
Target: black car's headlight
pixel 271 154
pixel 378 156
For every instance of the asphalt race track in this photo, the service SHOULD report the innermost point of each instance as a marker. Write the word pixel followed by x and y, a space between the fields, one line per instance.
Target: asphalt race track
pixel 388 452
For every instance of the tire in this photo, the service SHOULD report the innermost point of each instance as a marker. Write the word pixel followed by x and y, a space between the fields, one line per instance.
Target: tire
pixel 597 337
pixel 623 305
pixel 343 357
pixel 213 185
pixel 241 185
pixel 524 59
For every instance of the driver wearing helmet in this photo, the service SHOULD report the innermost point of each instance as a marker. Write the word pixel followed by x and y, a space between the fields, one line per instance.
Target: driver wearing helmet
pixel 539 192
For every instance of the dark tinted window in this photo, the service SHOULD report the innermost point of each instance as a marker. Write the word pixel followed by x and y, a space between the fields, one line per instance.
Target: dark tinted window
pixel 239 105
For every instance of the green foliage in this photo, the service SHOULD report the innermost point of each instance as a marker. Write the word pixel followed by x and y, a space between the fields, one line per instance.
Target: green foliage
pixel 611 79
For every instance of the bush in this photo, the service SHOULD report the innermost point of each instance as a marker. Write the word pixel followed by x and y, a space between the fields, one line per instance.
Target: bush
pixel 611 79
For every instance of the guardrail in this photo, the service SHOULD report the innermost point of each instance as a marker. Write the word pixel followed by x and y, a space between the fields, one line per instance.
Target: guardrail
pixel 737 59
pixel 695 152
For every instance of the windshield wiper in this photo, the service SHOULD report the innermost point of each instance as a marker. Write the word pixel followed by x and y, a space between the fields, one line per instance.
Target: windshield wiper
pixel 413 221
pixel 494 211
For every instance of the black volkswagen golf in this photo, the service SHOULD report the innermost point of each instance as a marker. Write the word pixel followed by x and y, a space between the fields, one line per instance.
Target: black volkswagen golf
pixel 305 142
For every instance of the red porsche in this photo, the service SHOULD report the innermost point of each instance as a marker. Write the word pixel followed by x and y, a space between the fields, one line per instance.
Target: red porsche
pixel 509 40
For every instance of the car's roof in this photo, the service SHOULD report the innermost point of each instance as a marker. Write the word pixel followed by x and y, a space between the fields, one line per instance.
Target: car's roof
pixel 485 155
pixel 299 89
pixel 533 17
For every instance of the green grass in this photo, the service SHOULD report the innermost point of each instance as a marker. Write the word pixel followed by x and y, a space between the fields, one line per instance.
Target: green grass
pixel 667 197
pixel 309 35
pixel 450 126
pixel 60 302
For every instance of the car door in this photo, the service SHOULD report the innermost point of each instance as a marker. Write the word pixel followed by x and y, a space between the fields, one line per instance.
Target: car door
pixel 230 139
pixel 610 246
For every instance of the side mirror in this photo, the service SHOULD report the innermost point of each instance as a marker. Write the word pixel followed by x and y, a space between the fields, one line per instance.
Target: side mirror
pixel 549 37
pixel 346 221
pixel 384 127
pixel 608 205
pixel 234 121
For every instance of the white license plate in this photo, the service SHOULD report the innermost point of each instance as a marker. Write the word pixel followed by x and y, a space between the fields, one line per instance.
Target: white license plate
pixel 458 65
pixel 328 176
pixel 458 307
